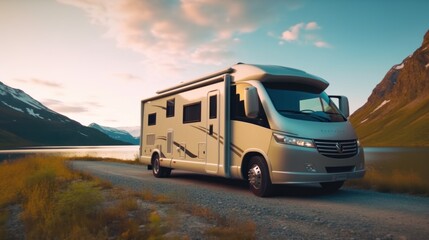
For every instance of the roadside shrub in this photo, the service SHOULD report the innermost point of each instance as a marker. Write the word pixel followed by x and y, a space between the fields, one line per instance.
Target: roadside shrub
pixel 396 176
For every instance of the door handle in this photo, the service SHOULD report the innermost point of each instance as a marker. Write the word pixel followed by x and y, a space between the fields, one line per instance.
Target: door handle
pixel 211 129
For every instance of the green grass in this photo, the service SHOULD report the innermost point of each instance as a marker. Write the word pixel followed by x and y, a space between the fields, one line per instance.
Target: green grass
pixel 402 127
pixel 396 176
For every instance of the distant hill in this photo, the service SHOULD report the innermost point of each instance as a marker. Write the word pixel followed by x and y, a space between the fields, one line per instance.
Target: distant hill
pixel 26 122
pixel 134 131
pixel 117 134
pixel 397 111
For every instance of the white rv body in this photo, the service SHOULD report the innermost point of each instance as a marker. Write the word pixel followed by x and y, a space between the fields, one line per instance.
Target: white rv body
pixel 232 124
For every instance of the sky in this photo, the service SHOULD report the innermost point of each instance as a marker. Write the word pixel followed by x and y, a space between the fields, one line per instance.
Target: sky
pixel 95 60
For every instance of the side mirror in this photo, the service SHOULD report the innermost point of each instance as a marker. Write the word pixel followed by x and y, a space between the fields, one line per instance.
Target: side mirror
pixel 251 102
pixel 343 103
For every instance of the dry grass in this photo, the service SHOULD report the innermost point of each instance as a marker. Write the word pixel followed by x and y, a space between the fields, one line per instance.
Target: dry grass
pixel 59 203
pixel 396 176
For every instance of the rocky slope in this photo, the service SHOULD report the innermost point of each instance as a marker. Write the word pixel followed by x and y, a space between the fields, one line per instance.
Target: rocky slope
pixel 397 111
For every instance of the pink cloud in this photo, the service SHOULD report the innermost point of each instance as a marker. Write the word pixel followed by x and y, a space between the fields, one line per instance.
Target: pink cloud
pixel 312 26
pixel 292 34
pixel 303 33
pixel 178 29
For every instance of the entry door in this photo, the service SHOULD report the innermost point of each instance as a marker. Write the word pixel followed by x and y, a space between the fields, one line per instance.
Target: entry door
pixel 213 136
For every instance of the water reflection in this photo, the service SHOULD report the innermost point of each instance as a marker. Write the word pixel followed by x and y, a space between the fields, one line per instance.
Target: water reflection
pixel 120 152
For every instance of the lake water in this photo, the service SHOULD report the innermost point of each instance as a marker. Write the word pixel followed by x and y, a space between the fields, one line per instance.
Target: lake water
pixel 120 152
pixel 131 152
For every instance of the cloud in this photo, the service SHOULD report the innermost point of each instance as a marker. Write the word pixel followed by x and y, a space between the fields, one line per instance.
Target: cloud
pixel 321 44
pixel 303 33
pixel 182 30
pixel 61 107
pixel 293 33
pixel 41 82
pixel 312 26
pixel 127 76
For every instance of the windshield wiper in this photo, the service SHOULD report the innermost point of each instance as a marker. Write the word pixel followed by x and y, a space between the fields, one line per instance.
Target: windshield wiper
pixel 310 114
pixel 293 111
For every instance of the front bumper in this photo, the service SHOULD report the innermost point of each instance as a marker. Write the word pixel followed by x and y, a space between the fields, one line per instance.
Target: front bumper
pixel 280 177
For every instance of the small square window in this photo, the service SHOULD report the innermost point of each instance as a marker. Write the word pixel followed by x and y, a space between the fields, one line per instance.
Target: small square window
pixel 170 108
pixel 151 119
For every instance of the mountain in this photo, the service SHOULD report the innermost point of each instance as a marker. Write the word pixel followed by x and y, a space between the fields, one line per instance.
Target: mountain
pixel 117 134
pixel 397 111
pixel 26 122
pixel 134 131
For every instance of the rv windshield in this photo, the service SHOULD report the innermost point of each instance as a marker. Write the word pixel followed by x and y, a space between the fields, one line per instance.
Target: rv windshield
pixel 303 102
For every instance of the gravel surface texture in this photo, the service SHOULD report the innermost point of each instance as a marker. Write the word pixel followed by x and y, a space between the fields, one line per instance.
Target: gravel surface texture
pixel 295 212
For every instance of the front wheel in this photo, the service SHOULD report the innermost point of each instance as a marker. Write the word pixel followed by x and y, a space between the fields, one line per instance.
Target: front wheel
pixel 259 178
pixel 332 186
pixel 157 170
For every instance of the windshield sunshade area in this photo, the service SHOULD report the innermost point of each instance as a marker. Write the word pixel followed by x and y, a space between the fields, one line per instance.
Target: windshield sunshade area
pixel 303 102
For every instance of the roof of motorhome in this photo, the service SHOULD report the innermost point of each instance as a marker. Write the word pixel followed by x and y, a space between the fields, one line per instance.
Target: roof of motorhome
pixel 244 72
pixel 263 73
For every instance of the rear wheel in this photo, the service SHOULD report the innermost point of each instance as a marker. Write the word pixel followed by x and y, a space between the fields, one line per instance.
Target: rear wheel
pixel 157 170
pixel 259 178
pixel 332 186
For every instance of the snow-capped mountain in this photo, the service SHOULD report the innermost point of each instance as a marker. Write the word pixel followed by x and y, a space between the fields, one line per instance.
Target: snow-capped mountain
pixel 115 133
pixel 397 111
pixel 25 121
pixel 18 100
pixel 134 131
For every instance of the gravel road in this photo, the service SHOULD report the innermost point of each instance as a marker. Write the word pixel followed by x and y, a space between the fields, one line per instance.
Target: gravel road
pixel 296 212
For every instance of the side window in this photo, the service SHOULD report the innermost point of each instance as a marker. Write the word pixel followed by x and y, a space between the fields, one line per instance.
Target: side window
pixel 151 119
pixel 170 108
pixel 213 107
pixel 237 107
pixel 192 113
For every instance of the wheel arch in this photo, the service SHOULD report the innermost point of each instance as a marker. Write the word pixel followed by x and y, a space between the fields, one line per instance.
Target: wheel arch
pixel 153 154
pixel 246 159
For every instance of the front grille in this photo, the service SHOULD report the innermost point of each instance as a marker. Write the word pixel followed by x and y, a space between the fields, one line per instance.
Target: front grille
pixel 339 169
pixel 337 149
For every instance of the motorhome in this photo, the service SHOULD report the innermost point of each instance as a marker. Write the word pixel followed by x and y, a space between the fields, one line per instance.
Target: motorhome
pixel 261 123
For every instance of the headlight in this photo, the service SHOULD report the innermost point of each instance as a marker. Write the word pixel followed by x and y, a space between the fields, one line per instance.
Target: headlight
pixel 294 140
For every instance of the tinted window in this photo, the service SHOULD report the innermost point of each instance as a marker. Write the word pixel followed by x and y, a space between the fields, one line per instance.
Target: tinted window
pixel 303 102
pixel 151 119
pixel 213 107
pixel 170 108
pixel 192 113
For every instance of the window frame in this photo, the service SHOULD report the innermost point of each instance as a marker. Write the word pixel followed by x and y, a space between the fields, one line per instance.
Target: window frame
pixel 213 107
pixel 188 107
pixel 151 119
pixel 170 108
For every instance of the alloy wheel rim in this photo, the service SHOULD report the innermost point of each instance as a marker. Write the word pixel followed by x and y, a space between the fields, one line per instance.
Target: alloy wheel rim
pixel 156 166
pixel 255 176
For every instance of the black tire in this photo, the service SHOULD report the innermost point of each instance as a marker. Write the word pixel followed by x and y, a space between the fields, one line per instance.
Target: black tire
pixel 332 186
pixel 157 170
pixel 259 177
